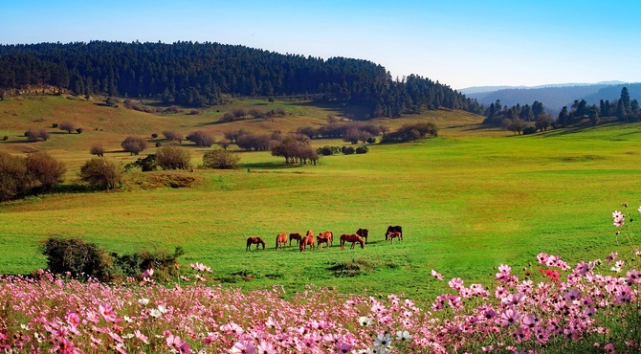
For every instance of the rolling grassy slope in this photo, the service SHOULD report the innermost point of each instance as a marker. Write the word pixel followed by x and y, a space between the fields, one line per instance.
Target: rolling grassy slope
pixel 468 201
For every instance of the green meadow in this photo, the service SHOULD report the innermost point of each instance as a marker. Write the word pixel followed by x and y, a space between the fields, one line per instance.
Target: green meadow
pixel 468 201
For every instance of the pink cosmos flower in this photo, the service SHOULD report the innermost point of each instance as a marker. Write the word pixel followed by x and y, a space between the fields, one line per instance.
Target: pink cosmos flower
pixel 143 338
pixel 509 317
pixel 456 283
pixel 343 347
pixel 265 347
pixel 633 277
pixel 437 275
pixel 72 318
pixel 178 344
pixel 619 218
pixel 243 347
pixel 107 312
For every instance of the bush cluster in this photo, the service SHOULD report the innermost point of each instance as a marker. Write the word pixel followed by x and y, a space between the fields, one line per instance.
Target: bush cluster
pixel 221 159
pixel 36 135
pixel 19 176
pixel 173 158
pixel 411 132
pixel 240 114
pixel 85 260
pixel 347 150
pixel 134 145
pixel 352 132
pixel 101 173
pixel 201 138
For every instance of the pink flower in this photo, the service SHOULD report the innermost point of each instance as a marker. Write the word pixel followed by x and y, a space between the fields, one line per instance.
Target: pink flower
pixel 509 317
pixel 178 344
pixel 619 218
pixel 437 275
pixel 72 318
pixel 143 338
pixel 243 347
pixel 456 283
pixel 342 347
pixel 633 276
pixel 107 312
pixel 265 347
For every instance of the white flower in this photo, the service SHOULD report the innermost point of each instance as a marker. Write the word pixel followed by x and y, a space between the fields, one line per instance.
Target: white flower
pixel 383 340
pixel 128 319
pixel 127 336
pixel 365 321
pixel 616 269
pixel 155 313
pixel 24 326
pixel 403 336
pixel 143 301
pixel 162 309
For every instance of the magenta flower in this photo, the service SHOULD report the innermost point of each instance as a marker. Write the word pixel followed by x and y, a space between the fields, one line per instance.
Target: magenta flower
pixel 107 312
pixel 619 218
pixel 633 276
pixel 509 317
pixel 342 347
pixel 265 347
pixel 178 344
pixel 456 283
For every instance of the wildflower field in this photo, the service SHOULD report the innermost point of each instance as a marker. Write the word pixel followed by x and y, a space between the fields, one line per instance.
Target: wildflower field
pixel 509 247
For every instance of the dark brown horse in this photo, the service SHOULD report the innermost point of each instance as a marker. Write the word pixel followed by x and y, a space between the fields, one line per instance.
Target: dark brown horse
pixel 364 233
pixel 394 229
pixel 308 240
pixel 326 237
pixel 295 236
pixel 395 234
pixel 353 238
pixel 281 239
pixel 255 240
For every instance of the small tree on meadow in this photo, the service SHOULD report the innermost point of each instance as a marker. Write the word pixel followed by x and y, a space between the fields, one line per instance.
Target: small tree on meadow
pixel 224 143
pixel 15 179
pixel 221 159
pixel 97 150
pixel 201 138
pixel 134 145
pixel 173 136
pixel 101 173
pixel 68 126
pixel 173 158
pixel 45 169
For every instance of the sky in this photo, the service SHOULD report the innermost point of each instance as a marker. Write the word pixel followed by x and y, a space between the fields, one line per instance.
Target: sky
pixel 460 43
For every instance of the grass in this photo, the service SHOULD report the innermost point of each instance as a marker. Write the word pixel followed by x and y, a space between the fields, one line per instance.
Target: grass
pixel 468 201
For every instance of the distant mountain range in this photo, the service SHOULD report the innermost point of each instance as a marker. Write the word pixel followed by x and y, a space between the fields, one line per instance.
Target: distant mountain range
pixel 553 96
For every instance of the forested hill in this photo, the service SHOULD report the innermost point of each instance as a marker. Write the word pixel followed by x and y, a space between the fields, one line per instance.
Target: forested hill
pixel 197 74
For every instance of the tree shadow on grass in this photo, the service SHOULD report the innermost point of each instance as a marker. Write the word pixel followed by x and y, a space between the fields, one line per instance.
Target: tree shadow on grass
pixel 271 165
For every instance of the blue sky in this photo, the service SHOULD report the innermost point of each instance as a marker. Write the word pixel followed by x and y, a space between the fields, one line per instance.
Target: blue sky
pixel 459 43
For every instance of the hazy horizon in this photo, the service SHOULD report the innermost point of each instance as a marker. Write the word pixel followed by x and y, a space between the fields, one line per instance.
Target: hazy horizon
pixel 461 43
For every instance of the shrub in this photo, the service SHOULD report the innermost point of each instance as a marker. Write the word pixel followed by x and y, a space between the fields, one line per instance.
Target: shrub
pixel 220 159
pixel 201 138
pixel 97 150
pixel 348 150
pixel 173 136
pixel 81 259
pixel 154 136
pixel 146 164
pixel 15 179
pixel 54 125
pixel 101 173
pixel 362 149
pixel 173 158
pixel 68 126
pixel 134 145
pixel 371 140
pixel 529 130
pixel 224 143
pixel 5 138
pixel 79 130
pixel 45 169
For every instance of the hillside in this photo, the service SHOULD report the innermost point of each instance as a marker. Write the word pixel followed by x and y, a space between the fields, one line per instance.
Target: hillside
pixel 553 97
pixel 201 74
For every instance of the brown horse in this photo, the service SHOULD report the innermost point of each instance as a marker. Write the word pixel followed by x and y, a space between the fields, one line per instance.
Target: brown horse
pixel 395 234
pixel 364 233
pixel 390 228
pixel 295 236
pixel 353 238
pixel 281 239
pixel 255 240
pixel 326 237
pixel 308 240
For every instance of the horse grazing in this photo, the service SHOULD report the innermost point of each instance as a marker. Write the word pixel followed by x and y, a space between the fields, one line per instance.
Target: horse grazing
pixel 281 239
pixel 396 234
pixel 353 238
pixel 255 240
pixel 364 233
pixel 394 229
pixel 295 236
pixel 307 240
pixel 326 237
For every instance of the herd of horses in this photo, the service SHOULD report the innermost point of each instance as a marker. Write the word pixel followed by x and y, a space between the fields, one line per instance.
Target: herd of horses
pixel 326 237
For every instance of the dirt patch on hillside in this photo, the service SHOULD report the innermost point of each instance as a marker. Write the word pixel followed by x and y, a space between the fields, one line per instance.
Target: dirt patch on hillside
pixel 164 179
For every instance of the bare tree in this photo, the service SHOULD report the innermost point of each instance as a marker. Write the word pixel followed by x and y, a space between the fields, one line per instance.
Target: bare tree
pixel 134 145
pixel 68 126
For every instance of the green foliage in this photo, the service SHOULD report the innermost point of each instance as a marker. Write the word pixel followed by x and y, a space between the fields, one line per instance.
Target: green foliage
pixel 83 260
pixel 411 132
pixel 101 173
pixel 15 180
pixel 146 164
pixel 529 130
pixel 221 159
pixel 362 149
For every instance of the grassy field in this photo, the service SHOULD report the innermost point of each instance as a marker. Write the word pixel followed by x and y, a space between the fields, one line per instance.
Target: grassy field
pixel 468 201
